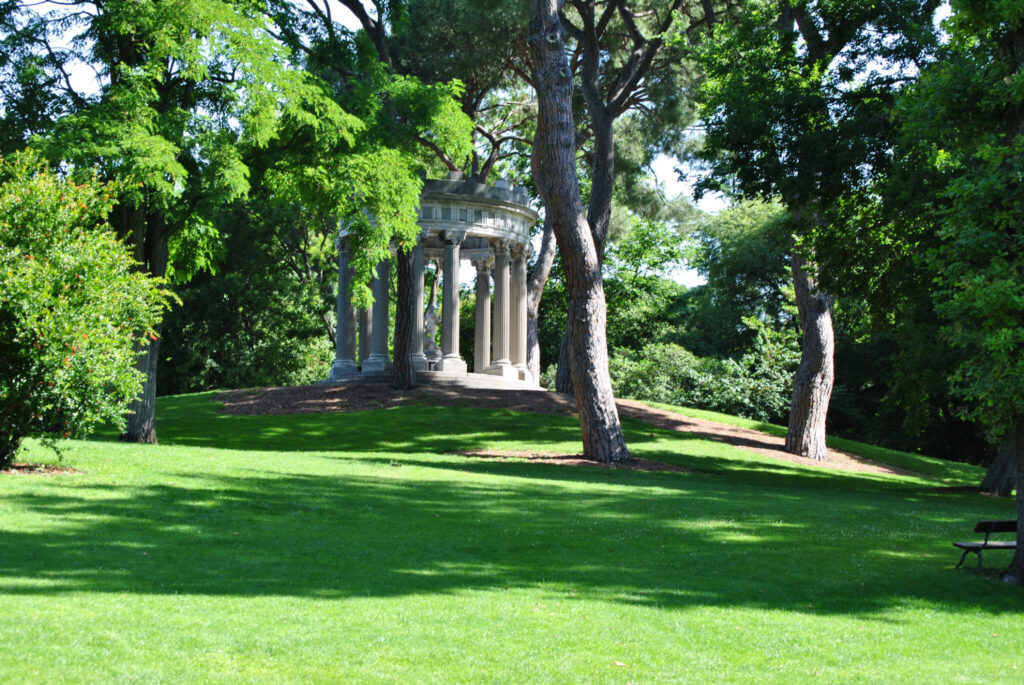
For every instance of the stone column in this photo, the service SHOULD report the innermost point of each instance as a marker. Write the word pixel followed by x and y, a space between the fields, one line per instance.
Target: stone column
pixel 451 362
pixel 517 323
pixel 345 332
pixel 378 363
pixel 419 360
pixel 365 333
pixel 502 364
pixel 482 347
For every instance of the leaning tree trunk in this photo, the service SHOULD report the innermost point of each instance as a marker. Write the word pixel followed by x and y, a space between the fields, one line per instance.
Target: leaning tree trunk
pixel 1002 474
pixel 141 419
pixel 534 291
pixel 554 170
pixel 404 373
pixel 1016 572
pixel 812 383
pixel 602 183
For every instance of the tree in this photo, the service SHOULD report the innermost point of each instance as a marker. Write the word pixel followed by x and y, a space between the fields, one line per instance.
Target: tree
pixel 743 252
pixel 796 108
pixel 405 119
pixel 181 87
pixel 72 307
pixel 965 120
pixel 626 62
pixel 554 170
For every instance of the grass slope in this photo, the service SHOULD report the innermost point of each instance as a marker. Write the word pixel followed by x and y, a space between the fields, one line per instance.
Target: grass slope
pixel 354 548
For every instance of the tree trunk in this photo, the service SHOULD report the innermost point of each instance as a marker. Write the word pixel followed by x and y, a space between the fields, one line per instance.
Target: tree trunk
pixel 1001 474
pixel 404 373
pixel 9 446
pixel 141 425
pixel 563 374
pixel 534 291
pixel 1016 573
pixel 141 420
pixel 812 383
pixel 554 169
pixel 599 210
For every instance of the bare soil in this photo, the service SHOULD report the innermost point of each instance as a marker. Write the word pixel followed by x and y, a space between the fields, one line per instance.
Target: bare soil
pixel 28 469
pixel 338 397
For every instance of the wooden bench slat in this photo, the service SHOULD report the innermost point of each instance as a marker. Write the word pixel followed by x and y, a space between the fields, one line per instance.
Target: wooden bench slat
pixel 994 544
pixel 996 527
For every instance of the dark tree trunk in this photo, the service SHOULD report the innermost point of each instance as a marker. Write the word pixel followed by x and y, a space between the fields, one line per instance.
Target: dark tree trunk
pixel 534 291
pixel 812 383
pixel 554 169
pixel 404 373
pixel 9 446
pixel 563 374
pixel 141 419
pixel 141 424
pixel 1002 473
pixel 1016 572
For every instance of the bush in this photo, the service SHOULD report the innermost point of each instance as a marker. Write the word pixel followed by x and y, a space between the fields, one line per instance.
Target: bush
pixel 757 386
pixel 74 311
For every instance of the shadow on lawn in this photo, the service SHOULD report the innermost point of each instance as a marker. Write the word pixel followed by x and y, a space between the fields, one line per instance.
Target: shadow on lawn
pixel 195 421
pixel 667 540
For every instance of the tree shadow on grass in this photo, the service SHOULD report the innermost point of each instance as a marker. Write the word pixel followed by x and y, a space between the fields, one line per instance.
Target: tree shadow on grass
pixel 666 540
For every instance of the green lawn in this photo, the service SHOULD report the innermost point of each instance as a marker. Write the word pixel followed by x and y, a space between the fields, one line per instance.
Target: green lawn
pixel 356 548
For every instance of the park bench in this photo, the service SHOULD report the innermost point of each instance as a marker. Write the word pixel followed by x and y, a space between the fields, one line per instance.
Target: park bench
pixel 988 527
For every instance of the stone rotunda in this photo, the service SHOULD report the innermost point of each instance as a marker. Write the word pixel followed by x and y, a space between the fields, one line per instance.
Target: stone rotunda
pixel 488 226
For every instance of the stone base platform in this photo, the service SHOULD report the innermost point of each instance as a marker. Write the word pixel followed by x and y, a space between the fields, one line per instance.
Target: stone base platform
pixel 479 381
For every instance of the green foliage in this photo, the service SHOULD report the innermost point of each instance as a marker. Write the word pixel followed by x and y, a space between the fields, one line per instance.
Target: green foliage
pixel 259 320
pixel 74 310
pixel 797 95
pixel 757 386
pixel 743 252
pixel 965 117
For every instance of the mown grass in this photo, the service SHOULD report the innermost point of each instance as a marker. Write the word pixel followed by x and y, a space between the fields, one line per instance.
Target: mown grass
pixel 938 469
pixel 358 548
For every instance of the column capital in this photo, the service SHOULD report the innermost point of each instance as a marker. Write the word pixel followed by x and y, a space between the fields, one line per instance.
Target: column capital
pixel 454 236
pixel 483 265
pixel 521 251
pixel 501 247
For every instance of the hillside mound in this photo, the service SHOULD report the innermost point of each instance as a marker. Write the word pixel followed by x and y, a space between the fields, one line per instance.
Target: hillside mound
pixel 336 397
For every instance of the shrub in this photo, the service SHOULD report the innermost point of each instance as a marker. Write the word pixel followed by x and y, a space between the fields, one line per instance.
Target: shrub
pixel 756 386
pixel 74 310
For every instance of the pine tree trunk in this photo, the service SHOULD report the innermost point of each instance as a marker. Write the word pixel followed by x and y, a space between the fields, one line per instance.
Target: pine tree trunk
pixel 141 424
pixel 1002 474
pixel 554 169
pixel 534 291
pixel 599 211
pixel 404 373
pixel 1016 572
pixel 563 374
pixel 812 383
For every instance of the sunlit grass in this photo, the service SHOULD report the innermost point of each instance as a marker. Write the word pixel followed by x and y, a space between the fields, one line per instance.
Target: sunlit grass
pixel 362 548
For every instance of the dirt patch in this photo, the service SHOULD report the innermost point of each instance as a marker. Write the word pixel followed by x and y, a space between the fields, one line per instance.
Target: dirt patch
pixel 573 460
pixel 38 469
pixel 339 397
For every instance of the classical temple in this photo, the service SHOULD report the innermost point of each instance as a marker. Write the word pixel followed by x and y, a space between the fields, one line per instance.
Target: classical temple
pixel 488 226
